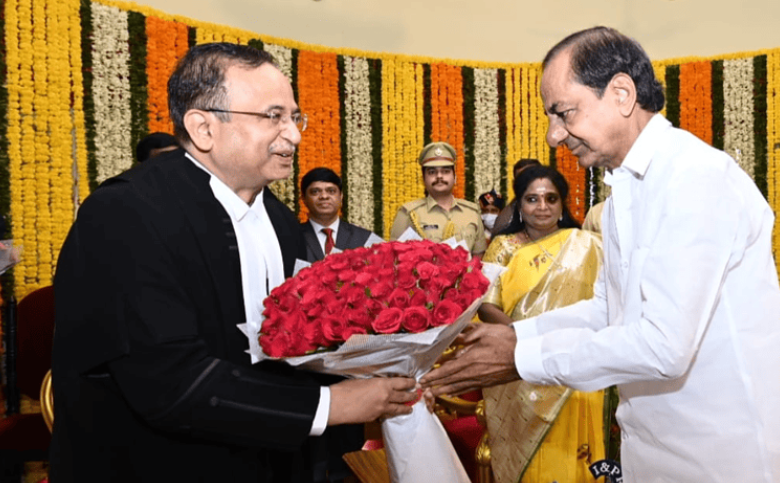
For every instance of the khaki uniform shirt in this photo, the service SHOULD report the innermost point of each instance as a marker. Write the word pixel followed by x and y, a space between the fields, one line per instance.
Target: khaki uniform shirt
pixel 433 220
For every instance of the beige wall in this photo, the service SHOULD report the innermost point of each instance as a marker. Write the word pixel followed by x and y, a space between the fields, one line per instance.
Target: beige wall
pixel 497 30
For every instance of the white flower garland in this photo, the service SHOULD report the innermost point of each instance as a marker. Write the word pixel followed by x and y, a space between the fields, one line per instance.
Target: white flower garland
pixel 487 152
pixel 357 103
pixel 284 189
pixel 111 91
pixel 738 138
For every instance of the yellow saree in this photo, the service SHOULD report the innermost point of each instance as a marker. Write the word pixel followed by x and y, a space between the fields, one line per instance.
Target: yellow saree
pixel 525 445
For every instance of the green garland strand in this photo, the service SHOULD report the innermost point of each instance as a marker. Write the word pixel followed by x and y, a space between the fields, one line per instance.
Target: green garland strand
pixel 469 131
pixel 5 163
pixel 375 93
pixel 85 10
pixel 673 94
pixel 139 96
pixel 256 43
pixel 760 136
pixel 427 109
pixel 192 36
pixel 718 106
pixel 343 136
pixel 501 84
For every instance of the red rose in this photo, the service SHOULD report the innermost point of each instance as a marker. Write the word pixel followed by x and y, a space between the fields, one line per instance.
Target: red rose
pixel 445 313
pixel 329 278
pixel 385 273
pixel 418 298
pixel 399 298
pixel 352 295
pixel 358 317
pixel 288 303
pixel 334 305
pixel 437 283
pixel 405 277
pixel 346 276
pixel 388 322
pixel 374 306
pixel 466 298
pixel 416 255
pixel 312 296
pixel 350 330
pixel 275 345
pixel 338 262
pixel 333 328
pixel 427 270
pixel 380 288
pixel 363 278
pixel 315 311
pixel 416 319
pixel 474 280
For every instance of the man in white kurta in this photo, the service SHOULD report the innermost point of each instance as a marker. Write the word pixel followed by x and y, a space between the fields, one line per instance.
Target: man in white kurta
pixel 686 314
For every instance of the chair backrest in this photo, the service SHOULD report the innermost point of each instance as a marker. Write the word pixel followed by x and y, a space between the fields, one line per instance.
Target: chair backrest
pixel 34 337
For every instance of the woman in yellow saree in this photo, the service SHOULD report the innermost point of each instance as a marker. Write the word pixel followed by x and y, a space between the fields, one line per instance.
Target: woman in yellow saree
pixel 540 434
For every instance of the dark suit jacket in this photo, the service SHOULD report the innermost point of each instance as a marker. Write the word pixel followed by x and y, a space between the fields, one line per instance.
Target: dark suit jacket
pixel 150 373
pixel 349 236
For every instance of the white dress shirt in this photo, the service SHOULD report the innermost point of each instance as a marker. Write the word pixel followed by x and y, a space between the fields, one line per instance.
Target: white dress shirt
pixel 685 317
pixel 262 268
pixel 321 236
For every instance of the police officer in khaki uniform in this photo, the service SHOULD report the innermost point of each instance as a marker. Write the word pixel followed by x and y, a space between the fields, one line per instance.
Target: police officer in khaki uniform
pixel 440 215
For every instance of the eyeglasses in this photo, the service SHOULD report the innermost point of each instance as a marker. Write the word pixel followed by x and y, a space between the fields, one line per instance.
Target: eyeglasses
pixel 300 120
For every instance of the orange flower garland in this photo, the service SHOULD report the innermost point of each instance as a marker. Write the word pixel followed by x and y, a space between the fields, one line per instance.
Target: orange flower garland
pixel 696 99
pixel 447 116
pixel 318 97
pixel 567 164
pixel 167 42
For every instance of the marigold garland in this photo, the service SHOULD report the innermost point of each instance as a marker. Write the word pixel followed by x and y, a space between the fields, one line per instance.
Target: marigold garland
pixel 773 141
pixel 696 99
pixel 24 223
pixel 567 164
pixel 167 43
pixel 498 118
pixel 318 96
pixel 447 115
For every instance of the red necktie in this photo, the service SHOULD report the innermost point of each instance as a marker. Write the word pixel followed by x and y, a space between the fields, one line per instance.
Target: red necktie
pixel 329 243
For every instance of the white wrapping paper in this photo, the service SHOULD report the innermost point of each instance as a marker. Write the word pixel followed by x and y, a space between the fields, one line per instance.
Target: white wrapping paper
pixel 419 450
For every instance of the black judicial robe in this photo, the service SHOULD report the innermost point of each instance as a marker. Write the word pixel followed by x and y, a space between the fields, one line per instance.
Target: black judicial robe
pixel 151 379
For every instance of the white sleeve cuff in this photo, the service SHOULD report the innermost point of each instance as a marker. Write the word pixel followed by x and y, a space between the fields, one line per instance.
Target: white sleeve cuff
pixel 525 329
pixel 528 360
pixel 323 411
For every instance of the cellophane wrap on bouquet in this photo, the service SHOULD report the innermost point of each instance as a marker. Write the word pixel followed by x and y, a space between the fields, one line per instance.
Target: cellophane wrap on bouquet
pixel 417 447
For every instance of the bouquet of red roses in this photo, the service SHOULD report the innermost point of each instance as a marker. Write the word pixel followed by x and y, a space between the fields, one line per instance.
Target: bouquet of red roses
pixel 388 288
pixel 385 310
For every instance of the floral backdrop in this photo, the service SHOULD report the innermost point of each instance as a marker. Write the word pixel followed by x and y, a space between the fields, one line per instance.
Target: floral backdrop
pixel 84 81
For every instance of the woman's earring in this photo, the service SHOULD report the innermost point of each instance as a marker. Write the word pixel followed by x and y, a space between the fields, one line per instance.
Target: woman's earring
pixel 561 218
pixel 520 216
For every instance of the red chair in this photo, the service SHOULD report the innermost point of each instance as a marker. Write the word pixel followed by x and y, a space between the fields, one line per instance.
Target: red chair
pixel 30 331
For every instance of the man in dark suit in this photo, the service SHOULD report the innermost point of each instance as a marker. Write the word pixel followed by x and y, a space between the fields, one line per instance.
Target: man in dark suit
pixel 151 375
pixel 321 188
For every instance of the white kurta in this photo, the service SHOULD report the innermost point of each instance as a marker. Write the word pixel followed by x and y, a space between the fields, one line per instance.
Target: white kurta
pixel 685 318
